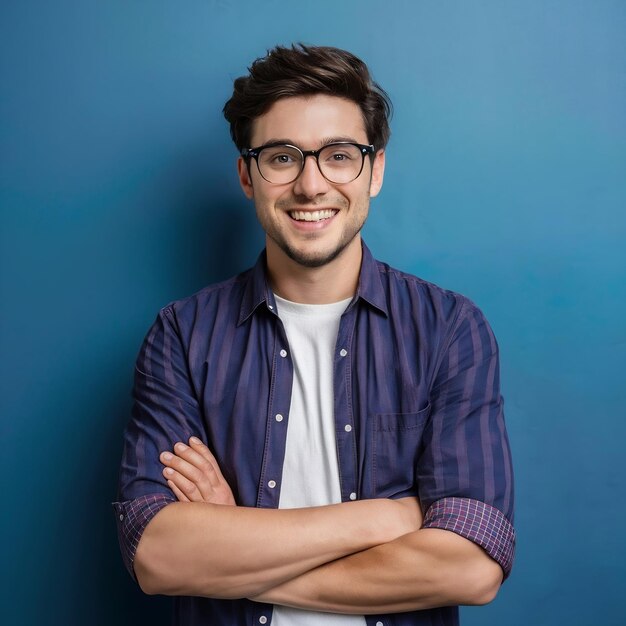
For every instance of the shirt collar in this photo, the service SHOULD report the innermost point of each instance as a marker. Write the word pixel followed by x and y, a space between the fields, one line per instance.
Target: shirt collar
pixel 370 287
pixel 257 291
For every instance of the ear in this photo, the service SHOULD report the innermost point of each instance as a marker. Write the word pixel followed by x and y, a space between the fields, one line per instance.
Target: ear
pixel 244 178
pixel 378 173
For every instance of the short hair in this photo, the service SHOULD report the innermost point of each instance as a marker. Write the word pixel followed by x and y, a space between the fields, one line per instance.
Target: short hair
pixel 302 70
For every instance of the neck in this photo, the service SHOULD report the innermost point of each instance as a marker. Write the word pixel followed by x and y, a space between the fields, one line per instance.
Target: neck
pixel 332 282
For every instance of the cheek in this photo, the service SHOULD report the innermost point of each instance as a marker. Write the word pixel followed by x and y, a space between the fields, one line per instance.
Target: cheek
pixel 265 207
pixel 360 196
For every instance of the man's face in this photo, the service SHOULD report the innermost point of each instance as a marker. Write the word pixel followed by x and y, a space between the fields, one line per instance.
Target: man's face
pixel 336 213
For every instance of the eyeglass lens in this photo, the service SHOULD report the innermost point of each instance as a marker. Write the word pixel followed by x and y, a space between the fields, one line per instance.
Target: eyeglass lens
pixel 339 163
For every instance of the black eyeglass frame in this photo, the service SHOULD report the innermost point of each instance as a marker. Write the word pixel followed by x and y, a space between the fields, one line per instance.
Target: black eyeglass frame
pixel 253 153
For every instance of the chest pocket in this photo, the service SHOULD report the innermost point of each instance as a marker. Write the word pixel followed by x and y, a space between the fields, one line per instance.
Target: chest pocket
pixel 396 444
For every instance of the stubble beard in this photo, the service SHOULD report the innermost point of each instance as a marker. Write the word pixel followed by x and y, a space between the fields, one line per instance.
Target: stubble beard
pixel 313 260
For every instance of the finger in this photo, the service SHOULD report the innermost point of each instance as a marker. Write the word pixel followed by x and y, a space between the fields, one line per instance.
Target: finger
pixel 177 492
pixel 205 463
pixel 199 477
pixel 222 493
pixel 200 447
pixel 200 471
pixel 186 487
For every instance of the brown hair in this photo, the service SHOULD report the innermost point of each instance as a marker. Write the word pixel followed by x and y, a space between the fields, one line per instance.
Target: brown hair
pixel 306 70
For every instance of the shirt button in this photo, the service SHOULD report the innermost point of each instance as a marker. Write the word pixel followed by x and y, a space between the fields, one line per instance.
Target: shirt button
pixel 271 484
pixel 279 417
pixel 121 518
pixel 270 307
pixel 343 352
pixel 347 428
pixel 353 496
pixel 263 620
pixel 379 624
pixel 283 353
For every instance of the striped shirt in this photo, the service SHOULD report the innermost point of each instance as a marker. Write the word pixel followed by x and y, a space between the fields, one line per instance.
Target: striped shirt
pixel 417 410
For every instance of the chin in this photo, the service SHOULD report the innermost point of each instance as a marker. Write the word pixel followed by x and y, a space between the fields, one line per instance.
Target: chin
pixel 317 258
pixel 313 260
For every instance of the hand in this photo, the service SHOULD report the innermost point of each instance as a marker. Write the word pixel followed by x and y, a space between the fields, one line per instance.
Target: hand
pixel 194 475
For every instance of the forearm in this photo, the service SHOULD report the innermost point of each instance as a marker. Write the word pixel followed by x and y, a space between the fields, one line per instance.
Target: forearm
pixel 232 552
pixel 424 569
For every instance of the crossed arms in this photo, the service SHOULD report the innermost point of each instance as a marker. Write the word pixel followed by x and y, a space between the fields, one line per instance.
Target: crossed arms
pixel 363 557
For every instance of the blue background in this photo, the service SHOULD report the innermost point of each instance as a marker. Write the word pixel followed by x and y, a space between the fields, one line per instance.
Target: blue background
pixel 506 181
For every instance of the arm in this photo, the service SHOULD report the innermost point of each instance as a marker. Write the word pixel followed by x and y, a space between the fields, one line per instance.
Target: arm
pixel 204 549
pixel 465 486
pixel 421 570
pixel 196 548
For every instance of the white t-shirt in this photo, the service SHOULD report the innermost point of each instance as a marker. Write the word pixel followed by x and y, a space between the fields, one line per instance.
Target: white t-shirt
pixel 310 470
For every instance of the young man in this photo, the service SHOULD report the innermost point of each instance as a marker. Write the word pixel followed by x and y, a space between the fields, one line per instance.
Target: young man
pixel 331 392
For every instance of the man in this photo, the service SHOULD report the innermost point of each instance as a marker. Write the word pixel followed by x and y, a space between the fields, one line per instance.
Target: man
pixel 331 392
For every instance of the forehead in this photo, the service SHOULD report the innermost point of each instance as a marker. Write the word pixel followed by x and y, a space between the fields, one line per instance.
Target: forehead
pixel 310 121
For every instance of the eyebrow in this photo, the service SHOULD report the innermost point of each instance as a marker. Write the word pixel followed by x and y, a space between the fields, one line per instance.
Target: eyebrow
pixel 324 142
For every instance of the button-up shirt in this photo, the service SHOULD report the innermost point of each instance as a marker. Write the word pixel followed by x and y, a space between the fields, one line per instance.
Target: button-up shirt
pixel 417 410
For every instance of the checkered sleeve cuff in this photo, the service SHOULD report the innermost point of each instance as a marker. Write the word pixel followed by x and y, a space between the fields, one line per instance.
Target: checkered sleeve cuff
pixel 132 517
pixel 478 522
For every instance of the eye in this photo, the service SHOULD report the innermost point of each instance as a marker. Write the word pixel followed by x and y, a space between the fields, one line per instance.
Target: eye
pixel 279 157
pixel 339 157
pixel 340 154
pixel 283 158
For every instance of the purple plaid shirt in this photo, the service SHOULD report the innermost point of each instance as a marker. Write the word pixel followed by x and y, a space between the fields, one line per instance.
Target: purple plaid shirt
pixel 415 376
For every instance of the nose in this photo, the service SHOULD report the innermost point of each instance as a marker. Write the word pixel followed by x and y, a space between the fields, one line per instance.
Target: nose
pixel 310 183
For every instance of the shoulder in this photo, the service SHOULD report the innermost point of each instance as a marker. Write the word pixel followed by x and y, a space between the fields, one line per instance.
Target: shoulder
pixel 441 317
pixel 225 296
pixel 406 291
pixel 447 323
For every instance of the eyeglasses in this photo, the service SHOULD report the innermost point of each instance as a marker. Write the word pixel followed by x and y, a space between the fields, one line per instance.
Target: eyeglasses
pixel 340 162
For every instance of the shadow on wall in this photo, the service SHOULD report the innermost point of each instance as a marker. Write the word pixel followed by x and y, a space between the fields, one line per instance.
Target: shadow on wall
pixel 218 234
pixel 204 230
pixel 207 232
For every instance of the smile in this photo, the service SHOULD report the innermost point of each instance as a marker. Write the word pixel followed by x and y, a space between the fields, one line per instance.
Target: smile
pixel 312 216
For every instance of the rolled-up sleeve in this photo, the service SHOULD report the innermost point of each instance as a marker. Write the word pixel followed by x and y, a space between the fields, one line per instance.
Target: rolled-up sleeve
pixel 478 522
pixel 165 410
pixel 132 518
pixel 465 472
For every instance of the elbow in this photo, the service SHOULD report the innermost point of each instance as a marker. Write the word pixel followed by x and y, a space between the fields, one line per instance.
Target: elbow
pixel 154 580
pixel 484 595
pixel 147 573
pixel 156 569
pixel 148 586
pixel 483 583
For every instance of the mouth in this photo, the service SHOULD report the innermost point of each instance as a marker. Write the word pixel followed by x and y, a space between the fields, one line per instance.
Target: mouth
pixel 312 216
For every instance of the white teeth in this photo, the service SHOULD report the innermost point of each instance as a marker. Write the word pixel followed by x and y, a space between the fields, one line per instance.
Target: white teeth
pixel 312 216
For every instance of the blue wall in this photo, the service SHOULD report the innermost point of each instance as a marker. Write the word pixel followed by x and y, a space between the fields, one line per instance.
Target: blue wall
pixel 506 181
